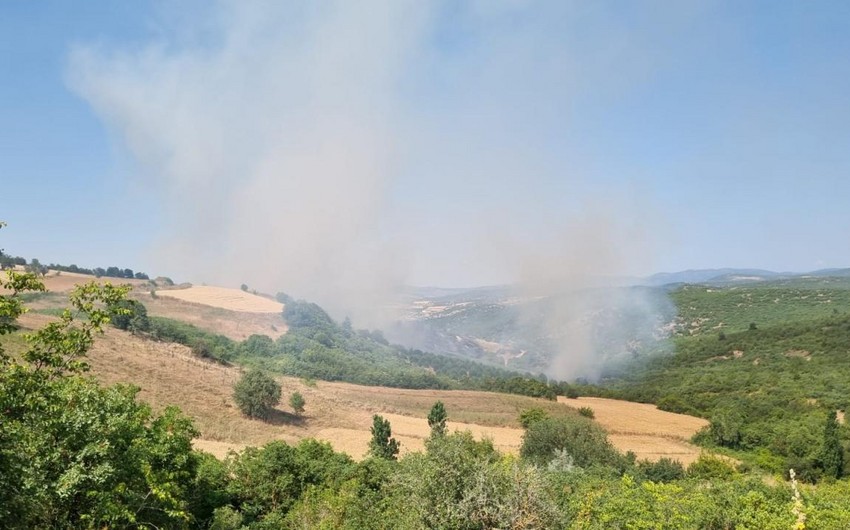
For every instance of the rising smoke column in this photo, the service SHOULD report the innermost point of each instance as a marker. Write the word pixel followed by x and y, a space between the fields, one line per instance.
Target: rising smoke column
pixel 271 138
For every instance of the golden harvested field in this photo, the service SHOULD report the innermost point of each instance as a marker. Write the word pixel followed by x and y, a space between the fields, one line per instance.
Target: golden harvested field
pixel 340 413
pixel 63 282
pixel 224 298
pixel 236 325
pixel 642 428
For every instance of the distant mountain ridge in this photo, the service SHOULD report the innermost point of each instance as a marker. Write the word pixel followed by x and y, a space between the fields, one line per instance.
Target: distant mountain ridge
pixel 731 275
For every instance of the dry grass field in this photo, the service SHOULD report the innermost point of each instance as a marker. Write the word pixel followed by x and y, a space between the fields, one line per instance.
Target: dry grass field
pixel 229 312
pixel 340 413
pixel 642 428
pixel 224 298
pixel 62 282
pixel 236 325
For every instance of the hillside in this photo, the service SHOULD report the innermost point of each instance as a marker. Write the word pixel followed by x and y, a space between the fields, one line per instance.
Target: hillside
pixel 567 468
pixel 765 363
pixel 341 413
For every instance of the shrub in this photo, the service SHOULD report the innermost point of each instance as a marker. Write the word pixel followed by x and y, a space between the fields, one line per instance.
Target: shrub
pixel 296 401
pixel 587 412
pixel 664 470
pixel 711 467
pixel 585 441
pixel 529 416
pixel 130 315
pixel 256 394
pixel 675 404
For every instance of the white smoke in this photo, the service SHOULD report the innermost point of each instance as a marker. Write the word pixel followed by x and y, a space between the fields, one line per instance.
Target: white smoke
pixel 338 150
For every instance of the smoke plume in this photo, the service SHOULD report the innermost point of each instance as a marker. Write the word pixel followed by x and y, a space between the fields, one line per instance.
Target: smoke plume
pixel 339 150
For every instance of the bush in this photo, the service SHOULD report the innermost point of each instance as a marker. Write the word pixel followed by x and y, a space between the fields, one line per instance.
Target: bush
pixel 296 401
pixel 587 412
pixel 256 394
pixel 664 470
pixel 130 315
pixel 585 441
pixel 711 467
pixel 529 416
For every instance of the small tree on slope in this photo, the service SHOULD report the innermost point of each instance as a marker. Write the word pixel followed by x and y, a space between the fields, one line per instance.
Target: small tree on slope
pixel 437 419
pixel 382 444
pixel 256 394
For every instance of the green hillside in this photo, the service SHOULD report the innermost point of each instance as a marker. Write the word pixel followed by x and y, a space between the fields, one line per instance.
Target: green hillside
pixel 767 378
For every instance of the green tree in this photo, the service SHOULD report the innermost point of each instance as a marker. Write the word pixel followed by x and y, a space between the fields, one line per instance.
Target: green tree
pixel 296 401
pixel 581 438
pixel 382 444
pixel 35 267
pixel 74 454
pixel 832 453
pixel 130 315
pixel 437 419
pixel 256 394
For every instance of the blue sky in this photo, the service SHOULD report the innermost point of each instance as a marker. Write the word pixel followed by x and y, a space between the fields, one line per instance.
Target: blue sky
pixel 429 143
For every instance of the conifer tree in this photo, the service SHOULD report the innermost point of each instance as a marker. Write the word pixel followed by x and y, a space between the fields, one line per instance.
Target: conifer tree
pixel 382 445
pixel 437 419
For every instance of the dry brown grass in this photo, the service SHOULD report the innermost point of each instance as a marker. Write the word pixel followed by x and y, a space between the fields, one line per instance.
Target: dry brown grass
pixel 341 413
pixel 224 298
pixel 236 325
pixel 63 282
pixel 642 428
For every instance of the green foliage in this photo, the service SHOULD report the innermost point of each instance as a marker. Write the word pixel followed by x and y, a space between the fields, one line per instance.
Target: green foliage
pixel 711 467
pixel 265 483
pixel 662 470
pixel 764 390
pixel 524 386
pixel 74 454
pixel 296 401
pixel 598 502
pixel 587 412
pixel 461 483
pixel 832 453
pixel 130 315
pixel 532 415
pixel 437 419
pixel 203 343
pixel 581 438
pixel 256 394
pixel 301 314
pixel 382 444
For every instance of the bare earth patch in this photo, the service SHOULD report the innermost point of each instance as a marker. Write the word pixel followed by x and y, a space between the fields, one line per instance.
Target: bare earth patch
pixel 642 428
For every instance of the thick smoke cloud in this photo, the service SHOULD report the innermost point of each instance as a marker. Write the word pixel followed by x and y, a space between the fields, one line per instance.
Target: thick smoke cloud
pixel 339 150
pixel 272 141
